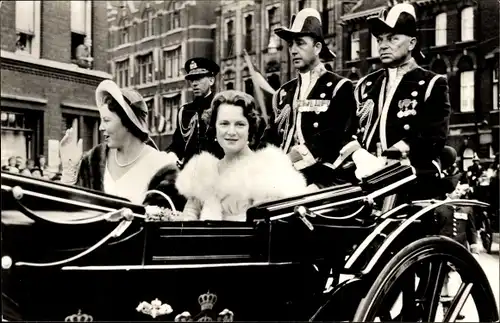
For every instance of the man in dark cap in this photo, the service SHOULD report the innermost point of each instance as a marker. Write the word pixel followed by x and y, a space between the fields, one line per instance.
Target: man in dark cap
pixel 314 113
pixel 190 137
pixel 401 107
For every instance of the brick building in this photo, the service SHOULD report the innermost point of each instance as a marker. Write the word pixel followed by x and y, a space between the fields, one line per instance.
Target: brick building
pixel 249 25
pixel 149 42
pixel 459 38
pixel 42 88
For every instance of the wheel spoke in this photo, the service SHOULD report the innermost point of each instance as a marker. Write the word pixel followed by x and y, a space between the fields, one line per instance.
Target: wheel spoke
pixel 409 309
pixel 438 272
pixel 458 302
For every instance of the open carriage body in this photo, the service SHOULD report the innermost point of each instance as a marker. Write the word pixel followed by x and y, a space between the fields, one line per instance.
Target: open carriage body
pixel 342 253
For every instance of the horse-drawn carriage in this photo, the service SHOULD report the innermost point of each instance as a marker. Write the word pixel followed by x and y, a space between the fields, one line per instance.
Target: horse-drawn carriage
pixel 344 253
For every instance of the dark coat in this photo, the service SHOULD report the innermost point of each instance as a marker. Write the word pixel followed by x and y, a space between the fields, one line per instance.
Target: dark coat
pixel 327 124
pixel 457 223
pixel 418 114
pixel 190 136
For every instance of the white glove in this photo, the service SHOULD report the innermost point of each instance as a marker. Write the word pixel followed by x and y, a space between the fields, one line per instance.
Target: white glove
pixel 71 152
pixel 366 163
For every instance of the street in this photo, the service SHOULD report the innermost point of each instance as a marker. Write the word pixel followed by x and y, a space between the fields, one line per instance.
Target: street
pixel 490 264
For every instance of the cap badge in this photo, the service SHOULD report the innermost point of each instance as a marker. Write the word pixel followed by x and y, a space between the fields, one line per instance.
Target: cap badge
pixel 193 65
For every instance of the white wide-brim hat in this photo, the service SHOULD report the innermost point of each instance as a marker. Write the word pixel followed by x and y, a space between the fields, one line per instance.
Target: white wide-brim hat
pixel 121 96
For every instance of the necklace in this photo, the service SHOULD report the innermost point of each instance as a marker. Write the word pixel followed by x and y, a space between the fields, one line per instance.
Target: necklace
pixel 133 160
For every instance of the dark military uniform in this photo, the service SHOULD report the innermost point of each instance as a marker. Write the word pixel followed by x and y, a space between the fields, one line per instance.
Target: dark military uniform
pixel 416 112
pixel 457 223
pixel 323 122
pixel 191 136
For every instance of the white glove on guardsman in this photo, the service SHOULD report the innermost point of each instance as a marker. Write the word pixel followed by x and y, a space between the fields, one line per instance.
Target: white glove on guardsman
pixel 366 163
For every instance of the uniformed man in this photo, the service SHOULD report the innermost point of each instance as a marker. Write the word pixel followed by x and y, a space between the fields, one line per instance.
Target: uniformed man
pixel 401 107
pixel 314 112
pixel 190 137
pixel 458 223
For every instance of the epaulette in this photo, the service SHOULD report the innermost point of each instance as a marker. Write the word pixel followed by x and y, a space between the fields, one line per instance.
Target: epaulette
pixel 361 81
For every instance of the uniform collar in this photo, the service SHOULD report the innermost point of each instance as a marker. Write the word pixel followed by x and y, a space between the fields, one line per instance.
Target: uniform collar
pixel 404 68
pixel 318 71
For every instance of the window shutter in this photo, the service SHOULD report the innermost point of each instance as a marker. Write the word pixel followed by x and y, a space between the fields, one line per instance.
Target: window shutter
pixel 78 16
pixel 25 16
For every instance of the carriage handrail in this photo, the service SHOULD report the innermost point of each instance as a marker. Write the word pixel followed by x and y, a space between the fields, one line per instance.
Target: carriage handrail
pixel 19 192
pixel 459 202
pixel 117 232
pixel 367 200
pixel 165 196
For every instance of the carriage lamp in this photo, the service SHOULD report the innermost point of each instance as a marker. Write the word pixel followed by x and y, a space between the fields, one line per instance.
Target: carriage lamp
pixel 17 192
pixel 6 262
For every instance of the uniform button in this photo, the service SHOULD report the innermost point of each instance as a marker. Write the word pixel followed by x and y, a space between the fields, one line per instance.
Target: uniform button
pixel 362 129
pixel 315 125
pixel 421 82
pixel 322 95
pixel 406 127
pixel 329 84
pixel 414 93
pixel 368 83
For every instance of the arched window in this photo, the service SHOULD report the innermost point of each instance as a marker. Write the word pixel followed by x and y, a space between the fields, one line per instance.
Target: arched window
pixel 147 23
pixel 229 86
pixel 439 66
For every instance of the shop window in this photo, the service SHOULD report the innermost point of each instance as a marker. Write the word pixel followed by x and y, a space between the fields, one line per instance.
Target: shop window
pixel 20 134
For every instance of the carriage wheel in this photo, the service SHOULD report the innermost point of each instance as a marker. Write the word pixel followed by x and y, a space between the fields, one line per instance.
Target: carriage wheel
pixel 413 280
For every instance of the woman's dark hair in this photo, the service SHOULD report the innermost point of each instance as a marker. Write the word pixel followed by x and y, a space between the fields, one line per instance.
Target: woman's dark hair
pixel 250 112
pixel 115 107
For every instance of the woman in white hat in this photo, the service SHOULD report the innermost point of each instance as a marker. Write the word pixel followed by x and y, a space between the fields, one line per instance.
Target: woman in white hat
pixel 126 162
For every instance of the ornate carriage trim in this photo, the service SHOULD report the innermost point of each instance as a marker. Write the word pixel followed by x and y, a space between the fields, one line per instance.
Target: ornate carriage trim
pixel 207 302
pixel 79 317
pixel 155 309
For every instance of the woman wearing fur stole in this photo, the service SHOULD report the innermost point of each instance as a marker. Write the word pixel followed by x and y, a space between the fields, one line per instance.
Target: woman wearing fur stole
pixel 224 189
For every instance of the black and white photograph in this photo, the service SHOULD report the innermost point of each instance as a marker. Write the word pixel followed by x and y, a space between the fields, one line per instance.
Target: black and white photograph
pixel 250 160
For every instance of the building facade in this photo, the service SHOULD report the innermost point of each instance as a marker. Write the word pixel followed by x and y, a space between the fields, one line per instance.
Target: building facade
pixel 249 25
pixel 149 42
pixel 459 38
pixel 42 87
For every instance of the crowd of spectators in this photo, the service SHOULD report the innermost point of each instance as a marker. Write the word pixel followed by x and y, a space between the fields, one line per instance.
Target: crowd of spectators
pixel 34 168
